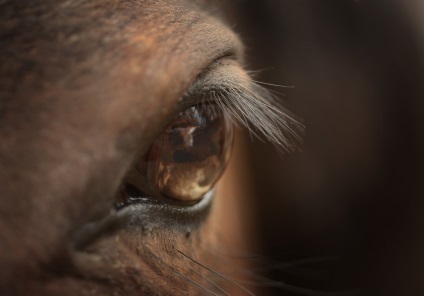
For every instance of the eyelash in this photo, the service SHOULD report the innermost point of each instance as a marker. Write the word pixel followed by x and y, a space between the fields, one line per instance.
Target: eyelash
pixel 252 106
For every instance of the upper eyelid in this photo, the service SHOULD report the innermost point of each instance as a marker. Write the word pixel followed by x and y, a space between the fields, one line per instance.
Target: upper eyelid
pixel 202 82
pixel 202 86
pixel 246 103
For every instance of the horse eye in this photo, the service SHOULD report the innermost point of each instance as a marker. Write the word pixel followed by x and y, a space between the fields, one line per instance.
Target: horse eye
pixel 185 161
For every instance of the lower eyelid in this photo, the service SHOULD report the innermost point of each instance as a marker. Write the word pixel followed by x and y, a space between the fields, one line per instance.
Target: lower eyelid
pixel 160 215
pixel 146 216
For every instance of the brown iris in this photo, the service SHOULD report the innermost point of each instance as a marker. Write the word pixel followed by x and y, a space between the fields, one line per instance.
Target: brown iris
pixel 185 161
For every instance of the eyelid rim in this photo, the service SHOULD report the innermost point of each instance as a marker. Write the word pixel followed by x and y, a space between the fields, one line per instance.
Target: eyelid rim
pixel 146 217
pixel 195 94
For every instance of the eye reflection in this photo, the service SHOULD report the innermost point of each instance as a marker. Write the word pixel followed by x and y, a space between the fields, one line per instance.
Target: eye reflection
pixel 185 161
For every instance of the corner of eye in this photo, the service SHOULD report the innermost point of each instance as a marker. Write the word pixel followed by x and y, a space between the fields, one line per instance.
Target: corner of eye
pixel 90 232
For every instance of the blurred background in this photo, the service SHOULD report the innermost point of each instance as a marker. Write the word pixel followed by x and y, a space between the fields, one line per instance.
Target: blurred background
pixel 346 214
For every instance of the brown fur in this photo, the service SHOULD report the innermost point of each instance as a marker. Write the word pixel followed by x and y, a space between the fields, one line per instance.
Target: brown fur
pixel 85 86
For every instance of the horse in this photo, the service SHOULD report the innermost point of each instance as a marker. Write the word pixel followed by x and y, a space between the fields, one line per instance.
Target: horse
pixel 117 123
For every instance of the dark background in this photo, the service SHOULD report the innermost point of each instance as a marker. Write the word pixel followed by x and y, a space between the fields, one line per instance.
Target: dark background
pixel 349 208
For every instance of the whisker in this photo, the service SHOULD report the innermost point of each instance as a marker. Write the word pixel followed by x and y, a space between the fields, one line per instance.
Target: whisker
pixel 209 281
pixel 252 276
pixel 196 284
pixel 191 281
pixel 218 274
pixel 287 267
pixel 310 292
pixel 300 290
pixel 262 281
pixel 254 272
pixel 288 264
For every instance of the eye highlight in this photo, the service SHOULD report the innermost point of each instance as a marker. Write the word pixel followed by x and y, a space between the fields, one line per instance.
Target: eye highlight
pixel 185 161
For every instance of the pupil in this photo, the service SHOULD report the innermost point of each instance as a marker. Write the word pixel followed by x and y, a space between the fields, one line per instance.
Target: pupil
pixel 181 156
